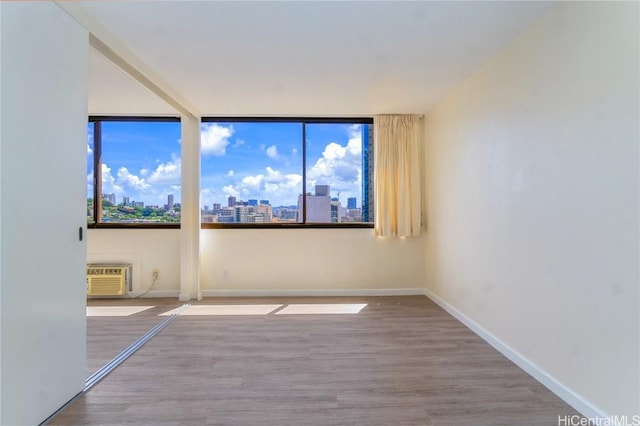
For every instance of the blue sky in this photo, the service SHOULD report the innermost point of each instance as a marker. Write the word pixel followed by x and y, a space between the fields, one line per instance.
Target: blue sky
pixel 246 160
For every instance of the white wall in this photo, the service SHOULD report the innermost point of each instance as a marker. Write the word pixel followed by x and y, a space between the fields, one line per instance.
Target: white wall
pixel 43 142
pixel 269 261
pixel 146 250
pixel 532 173
pixel 308 261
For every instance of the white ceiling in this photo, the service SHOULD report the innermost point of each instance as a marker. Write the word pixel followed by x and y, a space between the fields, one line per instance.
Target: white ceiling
pixel 300 58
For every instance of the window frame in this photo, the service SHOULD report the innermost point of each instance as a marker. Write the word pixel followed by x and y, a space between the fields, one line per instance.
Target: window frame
pixel 97 172
pixel 303 121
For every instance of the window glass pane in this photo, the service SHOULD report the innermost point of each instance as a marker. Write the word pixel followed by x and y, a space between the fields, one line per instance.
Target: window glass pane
pixel 90 173
pixel 251 172
pixel 335 179
pixel 140 172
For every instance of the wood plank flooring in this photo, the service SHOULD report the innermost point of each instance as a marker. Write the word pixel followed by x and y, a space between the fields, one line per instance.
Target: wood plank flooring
pixel 399 361
pixel 107 336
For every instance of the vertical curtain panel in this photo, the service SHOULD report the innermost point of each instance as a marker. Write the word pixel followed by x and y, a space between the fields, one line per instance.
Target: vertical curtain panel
pixel 397 175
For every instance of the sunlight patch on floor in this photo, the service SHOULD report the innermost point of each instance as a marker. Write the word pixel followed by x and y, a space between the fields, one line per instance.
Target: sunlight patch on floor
pixel 115 311
pixel 329 308
pixel 220 310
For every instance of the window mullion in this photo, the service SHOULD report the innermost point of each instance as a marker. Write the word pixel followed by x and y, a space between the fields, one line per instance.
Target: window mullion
pixel 304 172
pixel 97 172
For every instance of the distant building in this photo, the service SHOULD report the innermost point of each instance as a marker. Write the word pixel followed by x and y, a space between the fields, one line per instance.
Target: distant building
pixel 266 211
pixel 252 214
pixel 322 190
pixel 285 214
pixel 125 201
pixel 216 206
pixel 367 173
pixel 351 203
pixel 264 202
pixel 318 206
pixel 337 211
pixel 170 202
pixel 110 198
pixel 253 202
pixel 232 201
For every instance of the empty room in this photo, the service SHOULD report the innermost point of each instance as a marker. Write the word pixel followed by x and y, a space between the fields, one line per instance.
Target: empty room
pixel 319 213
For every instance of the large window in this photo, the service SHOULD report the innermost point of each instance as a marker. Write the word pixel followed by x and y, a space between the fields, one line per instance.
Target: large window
pixel 133 171
pixel 278 172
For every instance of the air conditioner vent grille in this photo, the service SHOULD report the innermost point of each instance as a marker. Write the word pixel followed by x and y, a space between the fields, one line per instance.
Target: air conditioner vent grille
pixel 108 280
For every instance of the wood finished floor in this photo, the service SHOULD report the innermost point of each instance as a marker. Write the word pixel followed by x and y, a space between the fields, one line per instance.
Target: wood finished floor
pixel 107 336
pixel 400 361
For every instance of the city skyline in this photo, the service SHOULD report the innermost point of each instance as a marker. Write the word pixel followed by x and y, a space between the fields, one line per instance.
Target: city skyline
pixel 320 208
pixel 248 160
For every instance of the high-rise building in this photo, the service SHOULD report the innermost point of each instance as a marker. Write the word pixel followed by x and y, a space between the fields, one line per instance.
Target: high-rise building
pixel 322 190
pixel 110 198
pixel 351 203
pixel 125 201
pixel 264 202
pixel 216 206
pixel 337 212
pixel 253 202
pixel 318 206
pixel 367 173
pixel 232 201
pixel 170 202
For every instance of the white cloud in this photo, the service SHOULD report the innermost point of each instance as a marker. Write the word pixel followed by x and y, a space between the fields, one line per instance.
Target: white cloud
pixel 279 188
pixel 293 180
pixel 109 185
pixel 230 191
pixel 333 151
pixel 90 185
pixel 272 152
pixel 89 150
pixel 230 173
pixel 128 180
pixel 340 166
pixel 273 175
pixel 354 146
pixel 168 172
pixel 214 138
pixel 254 181
pixel 294 151
pixel 152 191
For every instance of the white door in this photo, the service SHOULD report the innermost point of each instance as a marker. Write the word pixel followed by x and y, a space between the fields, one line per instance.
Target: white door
pixel 44 59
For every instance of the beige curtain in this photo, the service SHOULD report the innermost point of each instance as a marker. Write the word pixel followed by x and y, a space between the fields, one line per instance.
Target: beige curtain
pixel 397 174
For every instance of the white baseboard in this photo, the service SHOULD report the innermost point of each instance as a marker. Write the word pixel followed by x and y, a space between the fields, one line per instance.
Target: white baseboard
pixel 314 292
pixel 155 293
pixel 284 293
pixel 581 405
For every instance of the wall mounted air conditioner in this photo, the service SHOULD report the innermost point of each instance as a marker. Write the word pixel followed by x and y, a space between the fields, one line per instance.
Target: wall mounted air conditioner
pixel 108 279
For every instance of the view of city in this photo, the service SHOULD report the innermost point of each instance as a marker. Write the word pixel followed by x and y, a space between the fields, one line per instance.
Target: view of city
pixel 321 208
pixel 251 172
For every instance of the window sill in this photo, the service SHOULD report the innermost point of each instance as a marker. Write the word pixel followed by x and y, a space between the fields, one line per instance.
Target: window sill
pixel 286 226
pixel 113 225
